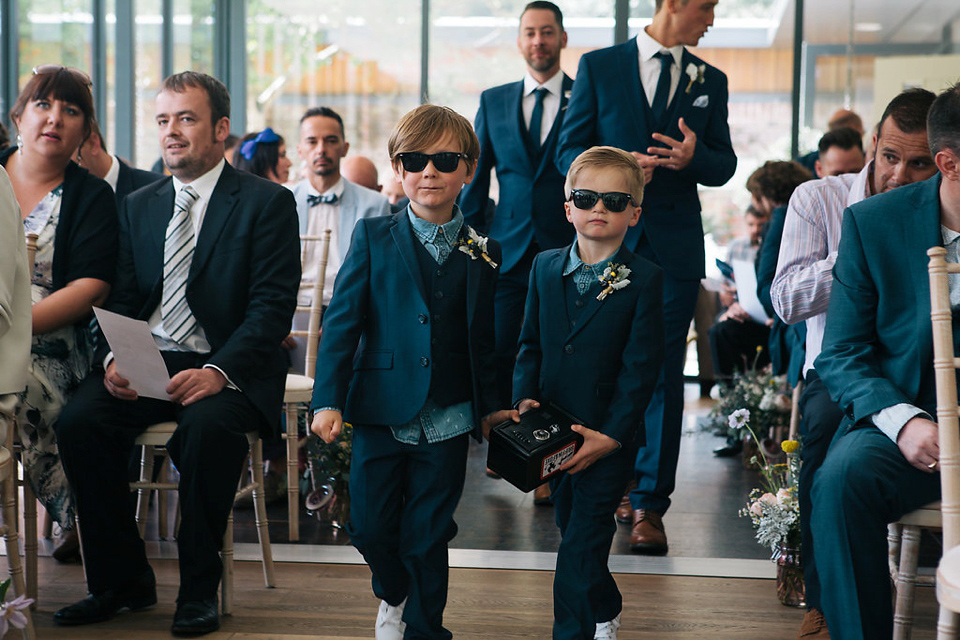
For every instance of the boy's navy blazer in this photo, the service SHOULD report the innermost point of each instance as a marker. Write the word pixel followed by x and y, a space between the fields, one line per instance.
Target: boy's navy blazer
pixel 374 361
pixel 604 367
pixel 608 107
pixel 531 189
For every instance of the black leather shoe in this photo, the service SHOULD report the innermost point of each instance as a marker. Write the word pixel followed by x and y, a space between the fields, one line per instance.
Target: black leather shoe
pixel 729 450
pixel 195 618
pixel 138 594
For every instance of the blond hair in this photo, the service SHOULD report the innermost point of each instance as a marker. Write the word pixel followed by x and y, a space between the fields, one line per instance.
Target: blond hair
pixel 608 158
pixel 428 124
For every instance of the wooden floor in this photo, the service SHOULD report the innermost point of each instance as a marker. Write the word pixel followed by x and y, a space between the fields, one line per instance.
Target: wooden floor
pixel 334 601
pixel 501 586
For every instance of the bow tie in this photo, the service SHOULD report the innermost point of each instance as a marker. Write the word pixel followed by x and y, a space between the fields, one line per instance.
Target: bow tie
pixel 322 199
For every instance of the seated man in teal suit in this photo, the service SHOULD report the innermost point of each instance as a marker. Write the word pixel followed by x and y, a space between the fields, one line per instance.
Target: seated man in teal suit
pixel 653 98
pixel 877 364
pixel 529 214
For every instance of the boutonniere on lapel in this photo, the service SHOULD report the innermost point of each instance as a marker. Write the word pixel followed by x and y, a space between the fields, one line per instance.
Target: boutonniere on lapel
pixel 566 99
pixel 696 74
pixel 475 246
pixel 614 277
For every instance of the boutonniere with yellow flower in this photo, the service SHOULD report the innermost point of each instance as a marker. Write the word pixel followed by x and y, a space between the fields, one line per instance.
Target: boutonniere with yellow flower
pixel 696 74
pixel 614 277
pixel 475 246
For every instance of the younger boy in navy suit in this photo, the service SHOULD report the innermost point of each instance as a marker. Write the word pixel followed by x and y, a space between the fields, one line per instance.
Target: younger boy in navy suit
pixel 592 342
pixel 407 357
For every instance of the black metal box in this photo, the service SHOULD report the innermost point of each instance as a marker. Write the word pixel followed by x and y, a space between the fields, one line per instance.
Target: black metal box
pixel 530 452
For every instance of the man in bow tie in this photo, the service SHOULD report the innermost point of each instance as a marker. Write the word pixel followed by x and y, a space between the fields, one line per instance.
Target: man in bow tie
pixel 653 98
pixel 326 200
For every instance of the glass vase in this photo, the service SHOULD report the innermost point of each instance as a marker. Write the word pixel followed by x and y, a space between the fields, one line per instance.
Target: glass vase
pixel 790 588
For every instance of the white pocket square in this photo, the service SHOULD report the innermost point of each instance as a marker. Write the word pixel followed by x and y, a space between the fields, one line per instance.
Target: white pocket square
pixel 701 101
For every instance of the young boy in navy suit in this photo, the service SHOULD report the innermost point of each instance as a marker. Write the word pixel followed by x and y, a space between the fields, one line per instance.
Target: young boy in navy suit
pixel 407 357
pixel 592 342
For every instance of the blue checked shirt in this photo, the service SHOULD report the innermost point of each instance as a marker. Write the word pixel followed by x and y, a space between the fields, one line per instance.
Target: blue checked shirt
pixel 586 275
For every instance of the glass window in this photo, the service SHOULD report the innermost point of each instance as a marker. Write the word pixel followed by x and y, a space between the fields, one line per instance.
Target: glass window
pixel 54 32
pixel 361 59
pixel 148 62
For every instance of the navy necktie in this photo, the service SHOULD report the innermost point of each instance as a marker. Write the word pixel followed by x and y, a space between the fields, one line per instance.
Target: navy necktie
pixel 536 118
pixel 313 201
pixel 662 93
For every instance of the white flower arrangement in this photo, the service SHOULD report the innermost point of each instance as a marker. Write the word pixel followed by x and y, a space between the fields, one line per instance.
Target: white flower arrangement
pixel 696 74
pixel 11 613
pixel 475 246
pixel 614 278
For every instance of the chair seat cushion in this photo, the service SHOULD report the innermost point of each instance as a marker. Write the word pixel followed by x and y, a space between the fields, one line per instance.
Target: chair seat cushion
pixel 948 580
pixel 298 388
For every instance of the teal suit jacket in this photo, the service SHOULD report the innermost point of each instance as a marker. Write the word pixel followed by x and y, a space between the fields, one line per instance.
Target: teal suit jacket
pixel 608 107
pixel 878 342
pixel 603 365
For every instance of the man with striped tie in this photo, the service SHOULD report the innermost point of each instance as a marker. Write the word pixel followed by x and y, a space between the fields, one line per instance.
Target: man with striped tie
pixel 209 260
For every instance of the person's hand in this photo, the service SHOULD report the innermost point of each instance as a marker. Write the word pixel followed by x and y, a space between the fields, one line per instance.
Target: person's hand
pixel 526 404
pixel 647 163
pixel 920 444
pixel 595 446
pixel 191 385
pixel 678 153
pixel 735 313
pixel 117 385
pixel 491 420
pixel 327 424
pixel 289 343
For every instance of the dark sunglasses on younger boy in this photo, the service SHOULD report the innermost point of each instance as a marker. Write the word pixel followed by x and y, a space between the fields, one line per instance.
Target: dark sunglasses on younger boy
pixel 614 201
pixel 445 161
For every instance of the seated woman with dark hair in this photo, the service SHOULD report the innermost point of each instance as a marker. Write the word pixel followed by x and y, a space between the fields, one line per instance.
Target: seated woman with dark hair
pixel 74 216
pixel 263 154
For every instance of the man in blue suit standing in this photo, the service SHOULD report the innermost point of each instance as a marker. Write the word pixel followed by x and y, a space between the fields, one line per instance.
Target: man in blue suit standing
pixel 653 98
pixel 517 125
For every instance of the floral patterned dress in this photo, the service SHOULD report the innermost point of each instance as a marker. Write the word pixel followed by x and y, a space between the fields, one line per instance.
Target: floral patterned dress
pixel 59 360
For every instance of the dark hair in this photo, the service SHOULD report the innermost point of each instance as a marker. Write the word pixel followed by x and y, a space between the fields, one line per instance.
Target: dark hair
pixel 659 3
pixel 265 156
pixel 777 179
pixel 943 121
pixel 231 141
pixel 63 84
pixel 4 137
pixel 548 6
pixel 217 93
pixel 908 110
pixel 326 112
pixel 844 138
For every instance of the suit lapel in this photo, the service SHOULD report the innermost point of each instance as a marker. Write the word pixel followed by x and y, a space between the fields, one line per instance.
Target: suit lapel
pixel 630 72
pixel 222 203
pixel 403 237
pixel 622 257
pixel 162 203
pixel 553 297
pixel 921 233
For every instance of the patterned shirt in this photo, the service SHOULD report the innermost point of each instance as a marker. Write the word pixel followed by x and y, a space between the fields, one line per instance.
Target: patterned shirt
pixel 586 274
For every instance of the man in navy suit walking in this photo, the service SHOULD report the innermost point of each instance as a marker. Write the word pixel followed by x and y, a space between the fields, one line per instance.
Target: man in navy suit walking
pixel 653 98
pixel 517 125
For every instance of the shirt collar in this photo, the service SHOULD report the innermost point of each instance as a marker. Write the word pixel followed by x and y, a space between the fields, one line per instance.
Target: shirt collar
pixel 554 85
pixel 427 231
pixel 648 47
pixel 860 189
pixel 205 184
pixel 113 173
pixel 573 260
pixel 949 235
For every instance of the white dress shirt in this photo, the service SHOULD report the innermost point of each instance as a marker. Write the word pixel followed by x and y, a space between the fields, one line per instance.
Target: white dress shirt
pixel 113 174
pixel 322 216
pixel 650 67
pixel 551 102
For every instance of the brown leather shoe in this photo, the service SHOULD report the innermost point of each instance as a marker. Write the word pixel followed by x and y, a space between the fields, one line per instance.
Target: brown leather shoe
pixel 541 495
pixel 648 536
pixel 814 626
pixel 625 510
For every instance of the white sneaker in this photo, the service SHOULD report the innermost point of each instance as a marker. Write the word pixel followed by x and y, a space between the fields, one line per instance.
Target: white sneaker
pixel 390 623
pixel 607 630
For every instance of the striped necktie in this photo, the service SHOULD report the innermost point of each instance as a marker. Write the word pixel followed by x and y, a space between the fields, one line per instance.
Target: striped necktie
pixel 178 321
